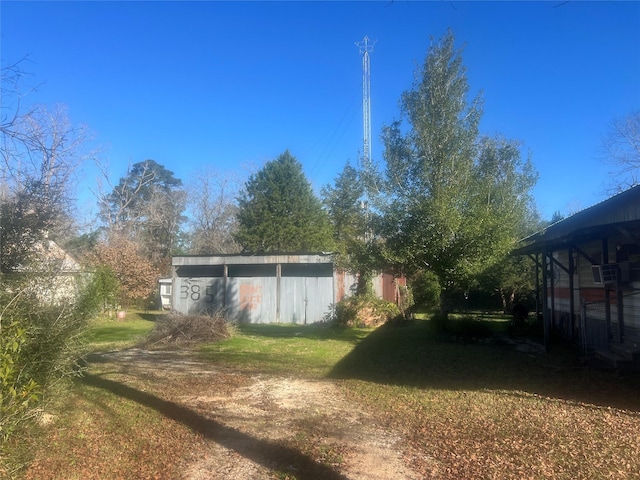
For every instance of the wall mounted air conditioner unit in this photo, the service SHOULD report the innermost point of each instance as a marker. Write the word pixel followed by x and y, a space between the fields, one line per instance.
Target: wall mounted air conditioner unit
pixel 610 273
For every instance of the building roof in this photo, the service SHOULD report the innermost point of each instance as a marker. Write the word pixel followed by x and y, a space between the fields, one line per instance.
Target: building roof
pixel 49 257
pixel 616 214
pixel 250 259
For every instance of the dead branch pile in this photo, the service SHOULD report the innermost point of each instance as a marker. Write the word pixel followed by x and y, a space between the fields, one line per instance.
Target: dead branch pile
pixel 185 329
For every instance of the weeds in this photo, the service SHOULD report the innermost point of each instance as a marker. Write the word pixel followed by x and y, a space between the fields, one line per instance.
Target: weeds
pixel 40 347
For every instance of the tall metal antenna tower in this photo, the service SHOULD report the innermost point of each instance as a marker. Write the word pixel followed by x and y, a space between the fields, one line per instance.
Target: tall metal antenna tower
pixel 365 47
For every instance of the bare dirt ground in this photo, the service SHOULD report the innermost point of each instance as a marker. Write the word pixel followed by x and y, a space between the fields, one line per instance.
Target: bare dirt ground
pixel 260 426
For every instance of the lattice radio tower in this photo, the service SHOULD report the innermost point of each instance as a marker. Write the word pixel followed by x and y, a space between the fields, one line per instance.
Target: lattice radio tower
pixel 365 47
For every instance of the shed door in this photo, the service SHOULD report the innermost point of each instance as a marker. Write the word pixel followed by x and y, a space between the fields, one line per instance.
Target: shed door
pixel 306 292
pixel 319 295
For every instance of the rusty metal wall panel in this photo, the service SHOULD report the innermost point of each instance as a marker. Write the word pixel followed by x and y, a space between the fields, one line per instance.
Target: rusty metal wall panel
pixel 389 288
pixel 252 300
pixel 345 285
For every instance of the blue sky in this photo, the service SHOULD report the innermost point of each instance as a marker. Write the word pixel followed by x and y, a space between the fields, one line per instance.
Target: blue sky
pixel 223 85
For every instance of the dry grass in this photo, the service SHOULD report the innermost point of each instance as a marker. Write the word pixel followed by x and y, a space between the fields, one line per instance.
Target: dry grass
pixel 485 410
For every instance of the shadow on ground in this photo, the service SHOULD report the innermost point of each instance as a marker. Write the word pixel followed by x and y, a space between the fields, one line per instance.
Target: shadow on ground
pixel 269 454
pixel 410 354
pixel 151 317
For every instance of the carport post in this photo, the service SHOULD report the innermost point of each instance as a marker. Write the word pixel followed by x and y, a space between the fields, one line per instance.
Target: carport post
pixel 278 290
pixel 545 309
pixel 225 276
pixel 572 303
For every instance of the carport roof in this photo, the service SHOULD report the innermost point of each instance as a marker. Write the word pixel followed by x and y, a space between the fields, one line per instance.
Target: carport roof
pixel 616 214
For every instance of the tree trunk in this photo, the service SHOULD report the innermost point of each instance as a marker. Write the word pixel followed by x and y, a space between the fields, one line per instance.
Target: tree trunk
pixel 364 281
pixel 443 317
pixel 503 299
pixel 507 301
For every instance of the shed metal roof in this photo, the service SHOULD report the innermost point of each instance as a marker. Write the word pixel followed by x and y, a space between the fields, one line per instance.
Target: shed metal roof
pixel 251 259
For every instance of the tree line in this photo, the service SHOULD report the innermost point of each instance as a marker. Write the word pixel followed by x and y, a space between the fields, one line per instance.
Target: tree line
pixel 444 206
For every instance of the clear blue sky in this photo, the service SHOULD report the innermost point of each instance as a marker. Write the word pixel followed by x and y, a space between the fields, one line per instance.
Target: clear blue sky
pixel 226 84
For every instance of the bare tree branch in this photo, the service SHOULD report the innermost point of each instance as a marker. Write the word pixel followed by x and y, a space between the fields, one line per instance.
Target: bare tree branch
pixel 212 203
pixel 621 150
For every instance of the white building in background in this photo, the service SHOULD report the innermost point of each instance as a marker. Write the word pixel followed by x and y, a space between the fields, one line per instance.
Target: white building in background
pixel 52 274
pixel 165 285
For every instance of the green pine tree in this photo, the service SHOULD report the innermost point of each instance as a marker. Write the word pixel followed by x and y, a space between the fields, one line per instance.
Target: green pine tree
pixel 279 212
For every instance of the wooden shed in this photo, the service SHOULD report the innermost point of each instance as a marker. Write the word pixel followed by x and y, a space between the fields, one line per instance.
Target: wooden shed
pixel 266 288
pixel 590 271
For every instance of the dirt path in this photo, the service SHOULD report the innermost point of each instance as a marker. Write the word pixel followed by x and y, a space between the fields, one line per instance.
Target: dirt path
pixel 262 426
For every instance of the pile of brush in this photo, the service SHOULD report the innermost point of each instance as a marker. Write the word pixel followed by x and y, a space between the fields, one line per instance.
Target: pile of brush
pixel 186 329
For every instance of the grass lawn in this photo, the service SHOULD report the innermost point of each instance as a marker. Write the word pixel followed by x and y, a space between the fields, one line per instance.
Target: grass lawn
pixel 467 408
pixel 486 410
pixel 109 333
pixel 310 351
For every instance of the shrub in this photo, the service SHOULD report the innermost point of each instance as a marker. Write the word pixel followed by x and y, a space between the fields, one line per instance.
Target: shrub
pixel 363 311
pixel 102 290
pixel 18 392
pixel 40 345
pixel 186 329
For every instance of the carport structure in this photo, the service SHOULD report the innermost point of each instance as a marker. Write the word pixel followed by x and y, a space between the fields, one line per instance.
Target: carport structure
pixel 286 288
pixel 590 268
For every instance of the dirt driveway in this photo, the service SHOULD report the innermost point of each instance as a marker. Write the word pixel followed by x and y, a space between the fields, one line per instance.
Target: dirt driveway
pixel 257 426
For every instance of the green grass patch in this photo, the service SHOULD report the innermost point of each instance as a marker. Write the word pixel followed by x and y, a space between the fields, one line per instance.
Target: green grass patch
pixel 110 333
pixel 309 350
pixel 476 325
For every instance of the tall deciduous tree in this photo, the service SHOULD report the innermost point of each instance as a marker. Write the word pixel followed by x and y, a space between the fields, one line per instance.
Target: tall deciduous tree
pixel 280 213
pixel 621 149
pixel 503 204
pixel 40 151
pixel 213 214
pixel 454 199
pixel 136 275
pixel 147 206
